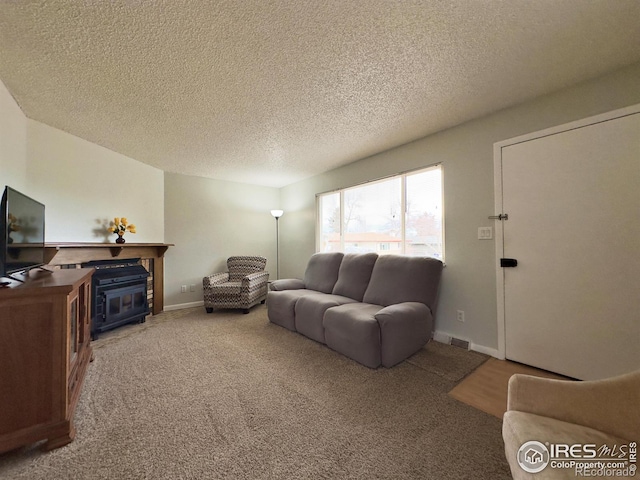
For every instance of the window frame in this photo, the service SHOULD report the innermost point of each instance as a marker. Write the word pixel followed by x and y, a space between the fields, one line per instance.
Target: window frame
pixel 403 206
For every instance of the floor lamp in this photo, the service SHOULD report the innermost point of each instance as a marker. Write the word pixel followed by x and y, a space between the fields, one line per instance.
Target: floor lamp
pixel 277 214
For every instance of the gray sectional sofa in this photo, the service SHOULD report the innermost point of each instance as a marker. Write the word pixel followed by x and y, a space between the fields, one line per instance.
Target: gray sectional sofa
pixel 377 310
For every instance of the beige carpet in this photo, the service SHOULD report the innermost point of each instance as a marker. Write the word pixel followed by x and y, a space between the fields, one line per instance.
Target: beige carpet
pixel 229 396
pixel 446 361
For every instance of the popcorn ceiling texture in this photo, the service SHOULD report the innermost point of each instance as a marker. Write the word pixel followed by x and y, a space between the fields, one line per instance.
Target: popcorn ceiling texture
pixel 274 92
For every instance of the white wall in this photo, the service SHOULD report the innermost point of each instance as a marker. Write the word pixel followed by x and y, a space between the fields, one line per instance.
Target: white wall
pixel 209 221
pixel 84 185
pixel 13 143
pixel 466 153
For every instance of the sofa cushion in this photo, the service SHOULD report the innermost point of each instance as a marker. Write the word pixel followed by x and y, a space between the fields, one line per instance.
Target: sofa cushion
pixel 322 271
pixel 521 427
pixel 397 279
pixel 281 306
pixel 354 274
pixel 353 331
pixel 309 312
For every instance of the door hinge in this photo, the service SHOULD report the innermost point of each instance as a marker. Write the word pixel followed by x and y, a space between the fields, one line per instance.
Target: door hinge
pixel 502 216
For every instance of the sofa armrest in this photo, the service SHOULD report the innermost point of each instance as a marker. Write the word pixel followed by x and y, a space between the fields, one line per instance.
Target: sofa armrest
pixel 214 279
pixel 403 312
pixel 404 329
pixel 609 405
pixel 287 284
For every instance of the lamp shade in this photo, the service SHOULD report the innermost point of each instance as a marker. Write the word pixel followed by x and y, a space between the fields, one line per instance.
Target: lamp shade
pixel 277 213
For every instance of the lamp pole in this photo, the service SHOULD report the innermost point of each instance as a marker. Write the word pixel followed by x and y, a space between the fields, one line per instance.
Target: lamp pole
pixel 277 214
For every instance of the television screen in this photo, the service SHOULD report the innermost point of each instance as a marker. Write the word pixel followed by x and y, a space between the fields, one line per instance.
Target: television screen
pixel 22 236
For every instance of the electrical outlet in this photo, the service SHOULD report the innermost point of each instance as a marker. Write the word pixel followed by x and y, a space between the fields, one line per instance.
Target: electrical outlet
pixel 192 287
pixel 183 288
pixel 460 315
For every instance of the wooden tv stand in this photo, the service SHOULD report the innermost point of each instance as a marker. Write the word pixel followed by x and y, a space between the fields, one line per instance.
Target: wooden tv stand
pixel 45 335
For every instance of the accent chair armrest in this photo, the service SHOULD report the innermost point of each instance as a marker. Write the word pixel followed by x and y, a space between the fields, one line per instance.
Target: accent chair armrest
pixel 287 284
pixel 254 279
pixel 214 279
pixel 609 405
pixel 253 288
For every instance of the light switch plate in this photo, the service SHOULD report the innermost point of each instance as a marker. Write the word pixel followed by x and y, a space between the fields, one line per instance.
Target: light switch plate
pixel 485 233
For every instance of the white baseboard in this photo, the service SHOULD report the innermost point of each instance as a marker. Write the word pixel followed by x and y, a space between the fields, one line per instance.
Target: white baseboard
pixel 445 337
pixel 442 337
pixel 492 352
pixel 180 306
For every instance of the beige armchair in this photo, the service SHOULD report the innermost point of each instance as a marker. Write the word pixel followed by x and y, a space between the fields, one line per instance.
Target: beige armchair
pixel 599 412
pixel 242 286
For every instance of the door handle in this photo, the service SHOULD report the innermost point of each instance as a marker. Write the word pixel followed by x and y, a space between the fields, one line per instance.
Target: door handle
pixel 508 262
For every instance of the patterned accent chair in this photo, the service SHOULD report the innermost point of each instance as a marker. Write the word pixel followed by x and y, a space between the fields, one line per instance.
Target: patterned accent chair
pixel 242 286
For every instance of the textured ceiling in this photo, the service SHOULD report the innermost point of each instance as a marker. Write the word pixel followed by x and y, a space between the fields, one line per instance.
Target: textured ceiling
pixel 271 92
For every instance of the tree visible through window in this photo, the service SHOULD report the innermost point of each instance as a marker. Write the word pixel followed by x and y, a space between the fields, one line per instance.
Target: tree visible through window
pixel 401 215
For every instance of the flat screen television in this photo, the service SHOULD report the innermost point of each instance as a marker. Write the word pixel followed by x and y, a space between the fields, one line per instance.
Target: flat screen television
pixel 21 233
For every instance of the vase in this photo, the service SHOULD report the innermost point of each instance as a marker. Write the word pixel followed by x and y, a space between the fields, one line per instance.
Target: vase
pixel 120 239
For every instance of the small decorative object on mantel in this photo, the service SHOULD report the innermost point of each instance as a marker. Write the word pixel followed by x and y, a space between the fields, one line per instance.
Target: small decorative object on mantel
pixel 120 226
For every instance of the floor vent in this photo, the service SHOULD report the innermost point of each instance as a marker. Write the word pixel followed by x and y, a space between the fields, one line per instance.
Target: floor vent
pixel 456 342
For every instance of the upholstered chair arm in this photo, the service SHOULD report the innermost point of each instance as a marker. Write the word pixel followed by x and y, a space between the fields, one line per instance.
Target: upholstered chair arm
pixel 404 329
pixel 214 279
pixel 609 405
pixel 253 288
pixel 287 284
pixel 254 279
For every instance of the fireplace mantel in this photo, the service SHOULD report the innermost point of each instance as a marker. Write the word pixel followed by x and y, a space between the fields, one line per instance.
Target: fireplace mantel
pixel 75 253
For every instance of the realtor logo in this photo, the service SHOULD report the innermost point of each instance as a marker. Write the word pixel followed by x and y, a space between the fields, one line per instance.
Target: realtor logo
pixel 533 457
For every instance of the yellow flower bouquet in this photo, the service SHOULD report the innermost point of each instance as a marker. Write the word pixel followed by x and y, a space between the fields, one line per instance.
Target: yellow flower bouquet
pixel 120 226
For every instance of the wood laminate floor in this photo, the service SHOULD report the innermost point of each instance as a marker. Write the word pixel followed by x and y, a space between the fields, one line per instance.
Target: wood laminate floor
pixel 486 388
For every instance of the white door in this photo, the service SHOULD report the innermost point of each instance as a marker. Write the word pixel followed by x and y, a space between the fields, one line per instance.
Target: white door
pixel 572 303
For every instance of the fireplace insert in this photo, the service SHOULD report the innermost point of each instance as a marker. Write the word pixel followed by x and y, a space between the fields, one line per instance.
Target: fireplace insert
pixel 118 294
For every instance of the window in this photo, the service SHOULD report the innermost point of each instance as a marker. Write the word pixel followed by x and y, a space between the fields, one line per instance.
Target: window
pixel 401 214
